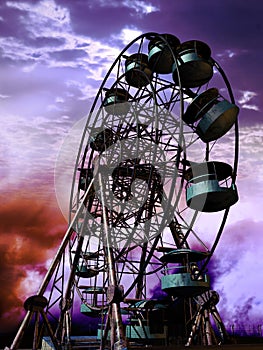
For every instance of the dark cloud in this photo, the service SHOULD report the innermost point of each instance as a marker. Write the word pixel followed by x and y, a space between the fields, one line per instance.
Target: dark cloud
pixel 237 240
pixel 97 22
pixel 10 25
pixel 226 23
pixel 104 17
pixel 46 42
pixel 68 55
pixel 236 275
pixel 157 293
pixel 30 231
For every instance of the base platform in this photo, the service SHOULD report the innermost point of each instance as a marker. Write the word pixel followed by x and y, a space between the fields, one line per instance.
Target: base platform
pixel 77 342
pixel 91 343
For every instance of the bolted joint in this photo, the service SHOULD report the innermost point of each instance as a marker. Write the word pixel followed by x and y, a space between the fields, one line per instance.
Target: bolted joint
pixel 208 299
pixel 65 304
pixel 115 294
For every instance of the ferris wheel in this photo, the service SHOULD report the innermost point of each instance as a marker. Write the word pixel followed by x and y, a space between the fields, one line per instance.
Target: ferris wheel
pixel 153 182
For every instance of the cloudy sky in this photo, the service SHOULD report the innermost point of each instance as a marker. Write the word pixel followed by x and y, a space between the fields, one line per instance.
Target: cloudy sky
pixel 54 55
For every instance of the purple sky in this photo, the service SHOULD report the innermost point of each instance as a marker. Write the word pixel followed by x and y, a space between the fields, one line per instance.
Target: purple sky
pixel 54 55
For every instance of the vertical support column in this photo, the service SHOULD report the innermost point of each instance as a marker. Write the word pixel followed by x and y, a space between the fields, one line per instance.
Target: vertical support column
pixel 220 325
pixel 202 321
pixel 207 328
pixel 195 327
pixel 118 339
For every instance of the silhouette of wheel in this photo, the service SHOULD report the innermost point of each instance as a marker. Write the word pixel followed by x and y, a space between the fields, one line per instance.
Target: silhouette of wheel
pixel 147 179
